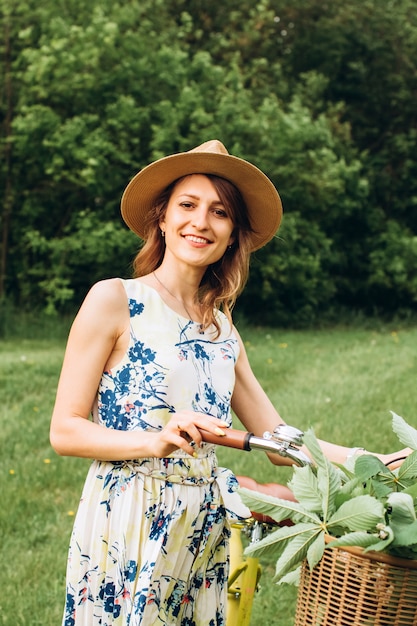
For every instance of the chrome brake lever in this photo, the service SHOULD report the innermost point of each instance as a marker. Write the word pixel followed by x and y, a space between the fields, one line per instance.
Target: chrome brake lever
pixel 286 434
pixel 284 440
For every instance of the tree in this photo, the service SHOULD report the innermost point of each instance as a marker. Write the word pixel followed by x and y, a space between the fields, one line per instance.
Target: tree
pixel 82 125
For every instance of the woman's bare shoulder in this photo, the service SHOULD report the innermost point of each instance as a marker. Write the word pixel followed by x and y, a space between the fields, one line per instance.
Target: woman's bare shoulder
pixel 105 303
pixel 108 294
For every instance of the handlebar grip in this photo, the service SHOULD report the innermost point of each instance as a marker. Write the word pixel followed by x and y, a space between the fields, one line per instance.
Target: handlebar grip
pixel 232 438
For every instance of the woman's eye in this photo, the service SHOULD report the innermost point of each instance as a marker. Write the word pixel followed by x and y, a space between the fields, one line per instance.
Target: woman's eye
pixel 220 212
pixel 187 205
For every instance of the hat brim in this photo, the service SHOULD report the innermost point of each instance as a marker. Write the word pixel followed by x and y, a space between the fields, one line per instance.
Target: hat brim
pixel 261 197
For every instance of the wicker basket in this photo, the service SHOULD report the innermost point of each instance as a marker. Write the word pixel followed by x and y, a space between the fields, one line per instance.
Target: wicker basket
pixel 351 588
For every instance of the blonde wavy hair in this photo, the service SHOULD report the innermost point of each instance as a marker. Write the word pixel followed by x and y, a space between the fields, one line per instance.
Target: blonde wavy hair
pixel 224 280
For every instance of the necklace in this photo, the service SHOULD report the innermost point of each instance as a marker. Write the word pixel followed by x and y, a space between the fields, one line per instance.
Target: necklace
pixel 201 327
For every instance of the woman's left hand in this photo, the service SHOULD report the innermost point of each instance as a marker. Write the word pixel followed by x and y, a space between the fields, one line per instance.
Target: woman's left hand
pixel 395 459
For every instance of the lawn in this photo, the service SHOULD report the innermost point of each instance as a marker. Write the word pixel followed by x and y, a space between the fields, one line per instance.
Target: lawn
pixel 343 382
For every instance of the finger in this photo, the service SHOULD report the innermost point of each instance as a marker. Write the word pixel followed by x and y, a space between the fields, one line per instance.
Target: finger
pixel 188 445
pixel 211 424
pixel 200 419
pixel 191 434
pixel 217 428
pixel 185 439
pixel 219 423
pixel 188 424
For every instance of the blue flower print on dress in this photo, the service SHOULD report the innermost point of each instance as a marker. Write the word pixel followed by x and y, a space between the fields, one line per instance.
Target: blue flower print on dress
pixel 232 483
pixel 139 353
pixel 210 395
pixel 123 379
pixel 130 571
pixel 176 598
pixel 196 351
pixel 69 617
pixel 199 350
pixel 159 526
pixel 114 483
pixel 140 601
pixel 108 595
pixel 135 308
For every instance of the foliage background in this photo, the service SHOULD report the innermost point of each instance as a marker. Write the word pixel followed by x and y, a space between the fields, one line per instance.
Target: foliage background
pixel 320 95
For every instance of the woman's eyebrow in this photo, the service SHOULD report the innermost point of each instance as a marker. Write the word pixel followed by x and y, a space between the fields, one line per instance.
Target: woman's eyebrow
pixel 196 197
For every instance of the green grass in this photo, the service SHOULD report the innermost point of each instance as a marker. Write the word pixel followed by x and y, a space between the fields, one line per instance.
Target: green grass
pixel 343 382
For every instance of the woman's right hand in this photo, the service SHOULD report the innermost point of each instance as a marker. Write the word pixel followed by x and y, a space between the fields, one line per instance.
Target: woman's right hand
pixel 182 432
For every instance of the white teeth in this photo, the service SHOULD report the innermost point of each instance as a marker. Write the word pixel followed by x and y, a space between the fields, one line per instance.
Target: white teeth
pixel 196 239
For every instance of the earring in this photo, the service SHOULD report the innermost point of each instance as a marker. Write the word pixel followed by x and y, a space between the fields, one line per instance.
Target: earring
pixel 162 233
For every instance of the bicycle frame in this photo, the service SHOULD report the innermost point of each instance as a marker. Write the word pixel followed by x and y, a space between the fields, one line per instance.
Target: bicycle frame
pixel 242 583
pixel 245 572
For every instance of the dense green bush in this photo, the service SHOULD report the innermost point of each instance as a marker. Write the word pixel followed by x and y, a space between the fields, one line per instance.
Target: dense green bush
pixel 319 95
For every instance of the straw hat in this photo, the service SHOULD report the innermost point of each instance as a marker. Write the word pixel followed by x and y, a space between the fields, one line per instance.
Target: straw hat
pixel 261 197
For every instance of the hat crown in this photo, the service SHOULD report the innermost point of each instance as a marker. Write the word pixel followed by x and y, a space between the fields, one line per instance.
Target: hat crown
pixel 211 158
pixel 214 146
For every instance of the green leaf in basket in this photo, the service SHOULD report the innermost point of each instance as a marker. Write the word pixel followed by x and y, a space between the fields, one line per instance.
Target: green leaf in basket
pixel 412 490
pixel 405 433
pixel 367 466
pixel 314 448
pixel 360 513
pixel 315 551
pixel 404 534
pixel 291 578
pixel 400 508
pixel 408 468
pixel 402 519
pixel 276 542
pixel 295 551
pixel 304 485
pixel 357 539
pixel 276 508
pixel 328 476
pixel 380 490
pixel 386 539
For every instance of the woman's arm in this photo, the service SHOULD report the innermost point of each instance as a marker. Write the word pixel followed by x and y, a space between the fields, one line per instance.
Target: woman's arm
pixel 98 339
pixel 257 413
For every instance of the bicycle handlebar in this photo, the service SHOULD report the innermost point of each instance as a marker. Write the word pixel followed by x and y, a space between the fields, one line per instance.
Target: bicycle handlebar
pixel 283 441
pixel 232 438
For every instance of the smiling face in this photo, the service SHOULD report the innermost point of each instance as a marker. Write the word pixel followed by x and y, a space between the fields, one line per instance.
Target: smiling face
pixel 198 227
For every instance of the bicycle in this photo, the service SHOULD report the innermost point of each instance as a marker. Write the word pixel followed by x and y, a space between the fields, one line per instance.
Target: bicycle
pixel 245 572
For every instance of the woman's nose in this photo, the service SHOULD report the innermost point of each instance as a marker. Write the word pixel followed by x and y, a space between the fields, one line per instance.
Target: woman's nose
pixel 200 218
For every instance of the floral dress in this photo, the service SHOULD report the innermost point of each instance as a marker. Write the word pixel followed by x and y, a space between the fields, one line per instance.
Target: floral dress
pixel 150 540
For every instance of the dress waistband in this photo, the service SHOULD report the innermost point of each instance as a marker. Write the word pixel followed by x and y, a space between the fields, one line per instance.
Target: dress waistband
pixel 186 470
pixel 178 468
pixel 178 478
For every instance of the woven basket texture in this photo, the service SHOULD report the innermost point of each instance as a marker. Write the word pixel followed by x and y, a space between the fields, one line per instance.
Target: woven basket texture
pixel 352 588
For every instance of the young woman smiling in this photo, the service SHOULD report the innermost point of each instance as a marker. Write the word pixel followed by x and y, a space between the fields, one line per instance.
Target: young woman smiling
pixel 150 362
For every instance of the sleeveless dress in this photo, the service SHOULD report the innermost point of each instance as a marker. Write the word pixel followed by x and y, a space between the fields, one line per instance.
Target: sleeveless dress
pixel 149 545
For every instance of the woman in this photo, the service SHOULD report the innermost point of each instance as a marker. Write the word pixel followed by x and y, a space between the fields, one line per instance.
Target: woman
pixel 155 360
